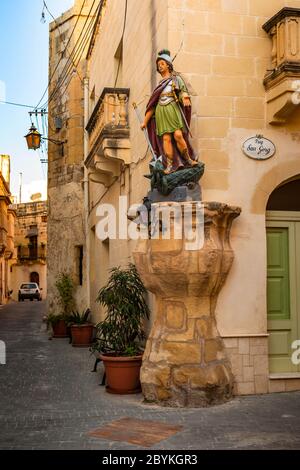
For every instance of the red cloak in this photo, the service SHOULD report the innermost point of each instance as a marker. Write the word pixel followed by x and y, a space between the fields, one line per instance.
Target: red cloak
pixel 157 141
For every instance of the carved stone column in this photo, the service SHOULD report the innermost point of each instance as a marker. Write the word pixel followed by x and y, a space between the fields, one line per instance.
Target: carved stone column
pixel 184 363
pixel 123 118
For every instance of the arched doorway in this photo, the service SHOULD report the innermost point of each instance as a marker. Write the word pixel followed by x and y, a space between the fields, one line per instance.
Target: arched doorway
pixel 283 275
pixel 35 277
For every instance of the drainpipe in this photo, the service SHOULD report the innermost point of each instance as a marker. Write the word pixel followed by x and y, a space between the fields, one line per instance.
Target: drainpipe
pixel 86 191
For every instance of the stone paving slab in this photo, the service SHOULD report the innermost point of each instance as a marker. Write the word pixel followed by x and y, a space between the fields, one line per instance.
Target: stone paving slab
pixel 50 399
pixel 143 433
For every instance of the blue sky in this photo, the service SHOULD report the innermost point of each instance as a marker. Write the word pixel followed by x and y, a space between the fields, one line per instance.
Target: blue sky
pixel 24 74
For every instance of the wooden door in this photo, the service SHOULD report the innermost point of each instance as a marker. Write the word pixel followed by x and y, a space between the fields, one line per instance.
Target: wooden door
pixel 283 289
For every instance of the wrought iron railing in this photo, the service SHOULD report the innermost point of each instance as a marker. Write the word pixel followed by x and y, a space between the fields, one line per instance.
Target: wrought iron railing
pixel 31 253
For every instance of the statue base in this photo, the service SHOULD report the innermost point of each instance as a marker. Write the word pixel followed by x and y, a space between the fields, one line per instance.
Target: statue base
pixel 191 192
pixel 185 362
pixel 165 184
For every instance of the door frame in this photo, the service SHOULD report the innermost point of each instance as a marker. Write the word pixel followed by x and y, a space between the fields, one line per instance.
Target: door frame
pixel 286 216
pixel 283 219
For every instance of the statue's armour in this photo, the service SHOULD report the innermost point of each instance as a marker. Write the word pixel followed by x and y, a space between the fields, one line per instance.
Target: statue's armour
pixel 167 95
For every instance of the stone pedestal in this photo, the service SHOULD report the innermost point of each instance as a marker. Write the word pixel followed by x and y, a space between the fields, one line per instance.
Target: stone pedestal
pixel 185 362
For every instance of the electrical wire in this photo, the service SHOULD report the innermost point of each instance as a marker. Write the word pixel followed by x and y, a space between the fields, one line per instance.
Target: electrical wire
pixel 68 66
pixel 17 104
pixel 46 125
pixel 119 63
pixel 95 28
pixel 30 119
pixel 78 52
pixel 82 47
pixel 45 5
pixel 41 147
pixel 105 192
pixel 42 141
pixel 45 132
pixel 68 73
pixel 59 31
pixel 70 37
pixel 132 165
pixel 37 106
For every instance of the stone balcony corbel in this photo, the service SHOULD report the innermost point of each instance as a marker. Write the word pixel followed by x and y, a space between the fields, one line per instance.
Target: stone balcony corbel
pixel 108 129
pixel 282 82
pixel 3 240
pixel 282 101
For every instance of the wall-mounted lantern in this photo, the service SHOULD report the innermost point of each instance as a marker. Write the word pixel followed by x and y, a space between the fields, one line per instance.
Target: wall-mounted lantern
pixel 34 138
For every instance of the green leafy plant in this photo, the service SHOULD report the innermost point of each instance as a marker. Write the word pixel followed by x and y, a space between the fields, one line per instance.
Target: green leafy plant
pixel 77 318
pixel 65 287
pixel 121 333
pixel 53 319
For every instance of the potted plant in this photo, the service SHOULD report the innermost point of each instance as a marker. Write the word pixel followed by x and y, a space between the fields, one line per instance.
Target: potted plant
pixel 59 323
pixel 119 338
pixel 65 286
pixel 81 328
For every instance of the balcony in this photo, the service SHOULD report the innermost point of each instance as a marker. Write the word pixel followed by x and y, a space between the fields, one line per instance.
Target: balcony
pixel 282 81
pixel 108 130
pixel 28 253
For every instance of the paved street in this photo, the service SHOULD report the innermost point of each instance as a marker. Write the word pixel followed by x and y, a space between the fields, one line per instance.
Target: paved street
pixel 49 399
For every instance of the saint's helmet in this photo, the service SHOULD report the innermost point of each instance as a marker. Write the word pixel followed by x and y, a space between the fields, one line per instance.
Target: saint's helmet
pixel 165 55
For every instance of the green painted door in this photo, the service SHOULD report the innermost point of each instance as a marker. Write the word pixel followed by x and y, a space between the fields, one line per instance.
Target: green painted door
pixel 283 292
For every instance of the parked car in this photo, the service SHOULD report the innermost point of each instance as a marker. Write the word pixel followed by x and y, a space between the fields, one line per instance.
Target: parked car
pixel 30 291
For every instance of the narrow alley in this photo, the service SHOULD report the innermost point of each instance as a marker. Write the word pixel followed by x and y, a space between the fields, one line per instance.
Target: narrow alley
pixel 50 399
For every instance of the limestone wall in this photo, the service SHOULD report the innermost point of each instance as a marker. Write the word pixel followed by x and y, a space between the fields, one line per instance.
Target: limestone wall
pixel 225 54
pixel 65 176
pixel 28 215
pixel 65 233
pixel 6 228
pixel 145 33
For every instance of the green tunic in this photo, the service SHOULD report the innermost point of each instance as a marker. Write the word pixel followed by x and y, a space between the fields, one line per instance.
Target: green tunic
pixel 168 116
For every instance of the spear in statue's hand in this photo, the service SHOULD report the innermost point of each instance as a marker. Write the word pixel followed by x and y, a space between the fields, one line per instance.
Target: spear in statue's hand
pixel 154 157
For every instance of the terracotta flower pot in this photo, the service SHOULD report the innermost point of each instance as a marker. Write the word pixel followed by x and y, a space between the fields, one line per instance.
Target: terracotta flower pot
pixel 122 374
pixel 82 335
pixel 60 329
